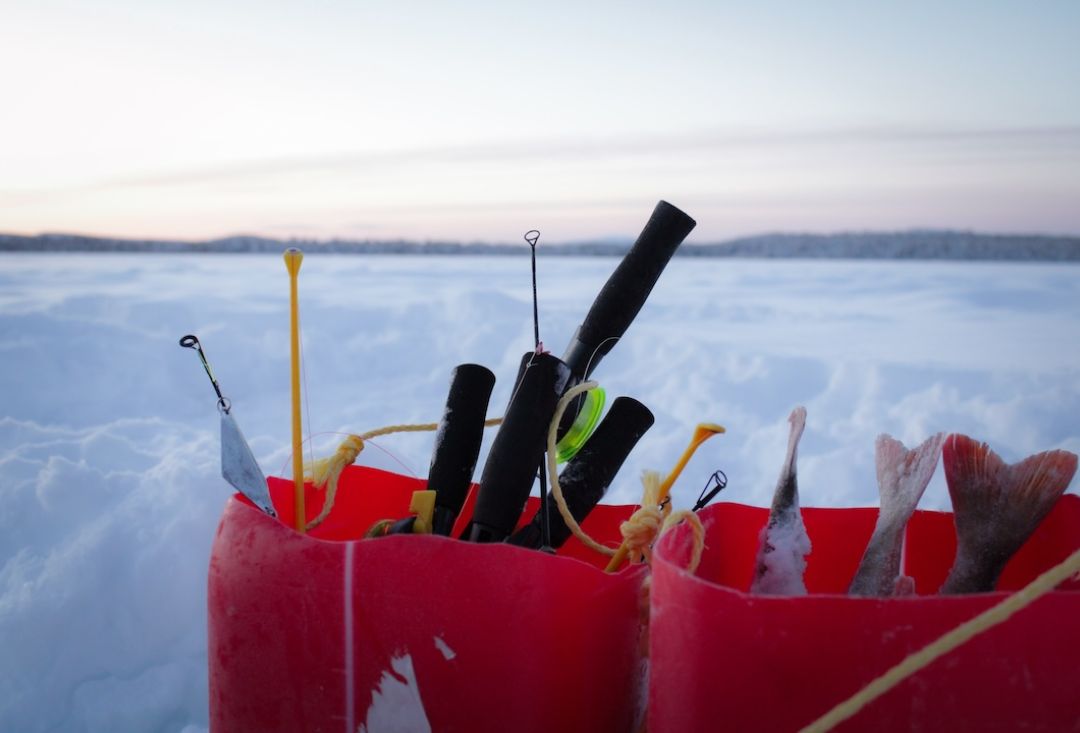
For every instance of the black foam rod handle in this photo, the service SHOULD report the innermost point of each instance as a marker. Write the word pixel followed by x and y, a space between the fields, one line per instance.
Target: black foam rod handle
pixel 510 469
pixel 627 289
pixel 588 475
pixel 457 442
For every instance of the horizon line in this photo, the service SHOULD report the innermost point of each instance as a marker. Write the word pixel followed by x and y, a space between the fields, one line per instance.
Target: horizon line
pixel 614 240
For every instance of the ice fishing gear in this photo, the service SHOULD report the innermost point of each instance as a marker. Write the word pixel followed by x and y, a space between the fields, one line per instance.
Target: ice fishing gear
pixel 996 506
pixel 614 309
pixel 293 258
pixel 457 442
pixel 311 632
pixel 532 237
pixel 717 482
pixel 702 432
pixel 238 464
pixel 422 504
pixel 902 478
pixel 626 291
pixel 590 411
pixel 587 476
pixel 510 469
pixel 322 631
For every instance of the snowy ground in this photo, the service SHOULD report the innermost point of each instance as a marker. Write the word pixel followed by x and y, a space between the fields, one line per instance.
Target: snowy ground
pixel 109 472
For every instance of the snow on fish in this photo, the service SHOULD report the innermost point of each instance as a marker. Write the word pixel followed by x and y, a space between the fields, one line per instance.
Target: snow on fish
pixel 781 559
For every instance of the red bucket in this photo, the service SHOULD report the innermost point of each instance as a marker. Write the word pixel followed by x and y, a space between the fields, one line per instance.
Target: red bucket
pixel 327 632
pixel 723 659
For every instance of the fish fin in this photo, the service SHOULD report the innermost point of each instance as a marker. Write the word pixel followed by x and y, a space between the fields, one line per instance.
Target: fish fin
pixel 903 474
pixel 973 473
pixel 996 506
pixel 1040 480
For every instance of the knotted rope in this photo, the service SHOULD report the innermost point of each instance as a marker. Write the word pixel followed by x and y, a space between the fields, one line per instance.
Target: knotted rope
pixel 641 530
pixel 324 473
pixel 644 525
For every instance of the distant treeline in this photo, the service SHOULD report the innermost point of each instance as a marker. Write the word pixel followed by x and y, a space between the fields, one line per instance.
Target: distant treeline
pixel 910 245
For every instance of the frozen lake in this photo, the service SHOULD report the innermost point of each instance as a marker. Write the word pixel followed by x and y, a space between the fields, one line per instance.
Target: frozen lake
pixel 109 474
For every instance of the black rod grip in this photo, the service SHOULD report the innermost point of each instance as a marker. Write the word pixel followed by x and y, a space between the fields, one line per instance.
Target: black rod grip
pixel 457 442
pixel 516 452
pixel 626 290
pixel 588 475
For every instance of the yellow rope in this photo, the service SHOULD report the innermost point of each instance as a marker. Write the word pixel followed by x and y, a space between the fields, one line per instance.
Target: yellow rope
pixel 702 432
pixel 645 525
pixel 696 528
pixel 325 472
pixel 947 643
pixel 553 470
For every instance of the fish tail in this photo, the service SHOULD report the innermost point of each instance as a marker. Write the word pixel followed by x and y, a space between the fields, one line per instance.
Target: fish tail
pixel 997 507
pixel 1039 480
pixel 903 476
pixel 786 495
pixel 973 473
pixel 797 418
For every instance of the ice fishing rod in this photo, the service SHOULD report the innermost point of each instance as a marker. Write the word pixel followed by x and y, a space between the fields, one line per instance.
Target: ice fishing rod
pixel 238 464
pixel 587 476
pixel 532 237
pixel 626 291
pixel 512 463
pixel 457 442
pixel 458 436
pixel 516 452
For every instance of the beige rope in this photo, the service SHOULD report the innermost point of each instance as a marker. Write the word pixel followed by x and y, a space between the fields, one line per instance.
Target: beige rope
pixel 947 643
pixel 696 528
pixel 702 432
pixel 553 470
pixel 645 525
pixel 325 472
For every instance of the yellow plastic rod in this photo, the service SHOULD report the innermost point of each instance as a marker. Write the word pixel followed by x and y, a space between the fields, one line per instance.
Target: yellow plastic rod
pixel 702 432
pixel 293 258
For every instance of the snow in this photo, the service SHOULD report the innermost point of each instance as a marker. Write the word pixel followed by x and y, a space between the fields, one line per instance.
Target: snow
pixel 110 485
pixel 783 563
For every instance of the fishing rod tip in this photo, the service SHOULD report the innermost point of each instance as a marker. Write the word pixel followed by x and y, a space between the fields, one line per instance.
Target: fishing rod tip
pixel 708 429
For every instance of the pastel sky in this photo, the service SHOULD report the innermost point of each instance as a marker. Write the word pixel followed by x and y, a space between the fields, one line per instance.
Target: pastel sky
pixel 480 120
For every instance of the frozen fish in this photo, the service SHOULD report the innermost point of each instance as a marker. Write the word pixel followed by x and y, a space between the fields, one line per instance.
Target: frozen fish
pixel 781 559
